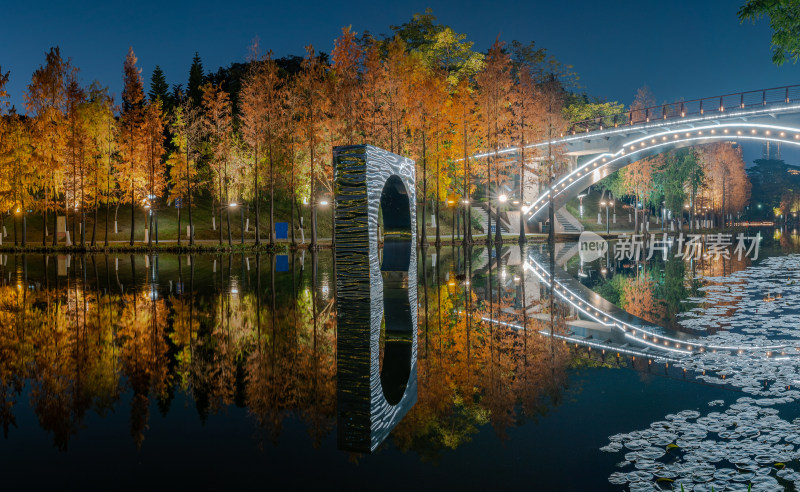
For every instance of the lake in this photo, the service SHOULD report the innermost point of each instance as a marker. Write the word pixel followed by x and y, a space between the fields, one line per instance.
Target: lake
pixel 234 370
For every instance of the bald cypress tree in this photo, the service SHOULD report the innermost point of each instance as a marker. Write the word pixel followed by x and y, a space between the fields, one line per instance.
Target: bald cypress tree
pixel 132 123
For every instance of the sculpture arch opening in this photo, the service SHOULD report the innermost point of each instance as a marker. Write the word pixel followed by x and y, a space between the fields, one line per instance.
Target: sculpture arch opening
pixel 396 214
pixel 397 325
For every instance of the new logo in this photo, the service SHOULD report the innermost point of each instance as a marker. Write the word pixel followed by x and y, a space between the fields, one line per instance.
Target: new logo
pixel 591 246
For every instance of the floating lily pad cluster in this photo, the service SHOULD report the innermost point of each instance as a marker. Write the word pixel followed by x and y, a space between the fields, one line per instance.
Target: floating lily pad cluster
pixel 748 443
pixel 760 302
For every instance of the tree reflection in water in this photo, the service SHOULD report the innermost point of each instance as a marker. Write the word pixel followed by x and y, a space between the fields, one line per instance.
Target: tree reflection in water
pixel 94 334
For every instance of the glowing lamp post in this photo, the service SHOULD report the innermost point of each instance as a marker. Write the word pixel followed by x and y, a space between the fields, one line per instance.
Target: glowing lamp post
pixel 452 204
pixel 607 204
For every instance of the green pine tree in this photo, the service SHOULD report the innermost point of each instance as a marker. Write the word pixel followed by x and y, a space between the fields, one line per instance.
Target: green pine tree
pixel 159 89
pixel 196 80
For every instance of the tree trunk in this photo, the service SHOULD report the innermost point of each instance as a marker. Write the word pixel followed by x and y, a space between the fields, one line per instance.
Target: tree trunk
pixel 180 232
pixel 133 216
pixel 24 226
pixel 94 224
pixel 291 213
pixel 522 238
pixel 220 212
pixel 294 196
pixel 55 222
pixel 438 197
pixel 313 243
pixel 257 200
pixel 299 213
pixel 44 220
pixel 150 227
pixel 271 197
pixel 228 215
pixel 105 243
pixel 424 236
pixel 189 196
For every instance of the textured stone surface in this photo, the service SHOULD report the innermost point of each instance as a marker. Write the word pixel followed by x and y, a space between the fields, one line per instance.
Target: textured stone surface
pixel 372 401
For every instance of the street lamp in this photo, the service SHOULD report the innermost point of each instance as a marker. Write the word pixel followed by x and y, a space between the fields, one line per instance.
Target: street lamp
pixel 452 204
pixel 607 204
pixel 502 198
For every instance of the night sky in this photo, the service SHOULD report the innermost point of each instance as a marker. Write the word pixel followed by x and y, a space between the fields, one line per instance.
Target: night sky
pixel 679 48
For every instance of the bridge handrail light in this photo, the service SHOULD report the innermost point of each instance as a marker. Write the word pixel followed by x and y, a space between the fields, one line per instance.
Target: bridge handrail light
pixel 502 198
pixel 603 204
pixel 465 202
pixel 323 202
pixel 233 204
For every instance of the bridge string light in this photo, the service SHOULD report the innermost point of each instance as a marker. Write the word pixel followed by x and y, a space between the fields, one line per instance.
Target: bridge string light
pixel 542 201
pixel 627 129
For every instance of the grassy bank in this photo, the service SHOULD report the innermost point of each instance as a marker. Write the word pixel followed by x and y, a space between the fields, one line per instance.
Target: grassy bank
pixel 207 227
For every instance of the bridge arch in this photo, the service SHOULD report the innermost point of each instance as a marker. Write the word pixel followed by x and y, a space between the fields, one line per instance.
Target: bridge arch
pixel 634 148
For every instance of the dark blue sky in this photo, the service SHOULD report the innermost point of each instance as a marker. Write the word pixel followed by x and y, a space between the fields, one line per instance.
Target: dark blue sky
pixel 680 48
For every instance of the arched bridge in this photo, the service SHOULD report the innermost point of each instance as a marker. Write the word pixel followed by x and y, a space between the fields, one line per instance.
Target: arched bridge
pixel 602 145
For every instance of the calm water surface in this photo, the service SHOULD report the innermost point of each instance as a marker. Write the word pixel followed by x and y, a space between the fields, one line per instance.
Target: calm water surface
pixel 211 371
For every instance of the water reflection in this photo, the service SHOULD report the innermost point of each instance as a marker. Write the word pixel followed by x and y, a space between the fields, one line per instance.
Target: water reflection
pixel 105 334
